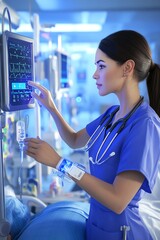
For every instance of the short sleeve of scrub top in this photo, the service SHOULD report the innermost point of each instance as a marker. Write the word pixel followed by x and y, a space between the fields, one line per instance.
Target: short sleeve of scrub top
pixel 140 151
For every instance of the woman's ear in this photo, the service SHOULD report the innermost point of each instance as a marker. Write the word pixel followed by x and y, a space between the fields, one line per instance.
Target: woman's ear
pixel 128 67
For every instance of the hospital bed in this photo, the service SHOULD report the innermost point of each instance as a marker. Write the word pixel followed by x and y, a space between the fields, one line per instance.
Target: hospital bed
pixel 63 220
pixel 150 209
pixel 66 220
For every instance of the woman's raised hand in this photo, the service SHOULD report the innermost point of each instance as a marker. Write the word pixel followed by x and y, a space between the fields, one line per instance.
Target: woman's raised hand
pixel 44 98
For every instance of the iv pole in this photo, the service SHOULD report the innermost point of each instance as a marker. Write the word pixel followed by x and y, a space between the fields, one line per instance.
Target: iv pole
pixel 36 28
pixel 4 224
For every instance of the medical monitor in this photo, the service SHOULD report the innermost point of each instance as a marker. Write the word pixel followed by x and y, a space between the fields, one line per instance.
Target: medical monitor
pixel 64 71
pixel 17 68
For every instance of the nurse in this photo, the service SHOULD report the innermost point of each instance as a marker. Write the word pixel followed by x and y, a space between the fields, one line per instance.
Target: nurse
pixel 122 143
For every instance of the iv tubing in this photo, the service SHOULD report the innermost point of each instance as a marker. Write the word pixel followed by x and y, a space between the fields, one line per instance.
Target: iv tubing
pixel 21 145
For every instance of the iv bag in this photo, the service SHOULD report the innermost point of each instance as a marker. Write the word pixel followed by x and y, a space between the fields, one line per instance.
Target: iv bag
pixel 20 131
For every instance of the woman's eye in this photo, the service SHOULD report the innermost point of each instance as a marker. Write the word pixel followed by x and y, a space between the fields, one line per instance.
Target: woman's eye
pixel 101 66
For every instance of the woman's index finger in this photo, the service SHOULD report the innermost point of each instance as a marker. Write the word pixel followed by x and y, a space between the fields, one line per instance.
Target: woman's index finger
pixel 37 85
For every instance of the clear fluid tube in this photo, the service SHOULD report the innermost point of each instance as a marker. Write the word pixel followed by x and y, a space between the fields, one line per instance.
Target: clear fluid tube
pixel 20 136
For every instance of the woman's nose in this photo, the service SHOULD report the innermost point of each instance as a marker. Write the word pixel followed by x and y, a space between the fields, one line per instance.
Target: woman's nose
pixel 95 75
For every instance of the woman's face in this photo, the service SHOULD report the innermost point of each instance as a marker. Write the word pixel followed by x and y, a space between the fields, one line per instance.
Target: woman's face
pixel 108 74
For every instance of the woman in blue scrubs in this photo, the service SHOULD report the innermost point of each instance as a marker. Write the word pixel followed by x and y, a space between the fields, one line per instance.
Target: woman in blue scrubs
pixel 122 143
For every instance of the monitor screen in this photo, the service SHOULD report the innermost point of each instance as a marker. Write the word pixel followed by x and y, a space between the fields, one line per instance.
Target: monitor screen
pixel 17 69
pixel 64 71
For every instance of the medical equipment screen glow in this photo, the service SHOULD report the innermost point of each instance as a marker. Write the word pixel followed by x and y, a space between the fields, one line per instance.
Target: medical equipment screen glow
pixel 17 86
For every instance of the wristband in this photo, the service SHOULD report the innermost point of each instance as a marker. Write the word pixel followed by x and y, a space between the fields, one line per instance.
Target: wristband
pixel 63 165
pixel 75 172
pixel 70 169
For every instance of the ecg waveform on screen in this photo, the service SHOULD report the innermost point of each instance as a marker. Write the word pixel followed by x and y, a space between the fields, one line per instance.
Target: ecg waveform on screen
pixel 19 70
pixel 20 59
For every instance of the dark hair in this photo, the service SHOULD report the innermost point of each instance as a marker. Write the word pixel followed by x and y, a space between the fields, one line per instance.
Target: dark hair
pixel 128 44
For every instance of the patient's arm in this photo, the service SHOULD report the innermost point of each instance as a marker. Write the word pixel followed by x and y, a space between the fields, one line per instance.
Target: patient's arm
pixel 17 214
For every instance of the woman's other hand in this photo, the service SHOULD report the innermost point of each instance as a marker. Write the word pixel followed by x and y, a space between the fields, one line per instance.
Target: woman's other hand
pixel 41 151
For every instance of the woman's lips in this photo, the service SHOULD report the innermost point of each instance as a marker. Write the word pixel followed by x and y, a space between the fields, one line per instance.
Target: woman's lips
pixel 98 85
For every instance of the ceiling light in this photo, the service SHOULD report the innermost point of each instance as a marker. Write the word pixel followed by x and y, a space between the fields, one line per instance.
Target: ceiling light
pixel 63 28
pixel 74 28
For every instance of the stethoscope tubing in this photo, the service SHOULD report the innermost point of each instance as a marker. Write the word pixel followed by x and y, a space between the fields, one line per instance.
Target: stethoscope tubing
pixel 123 120
pixel 98 161
pixel 87 146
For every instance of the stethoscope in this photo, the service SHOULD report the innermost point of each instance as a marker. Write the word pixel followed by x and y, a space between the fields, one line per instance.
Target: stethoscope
pixel 92 140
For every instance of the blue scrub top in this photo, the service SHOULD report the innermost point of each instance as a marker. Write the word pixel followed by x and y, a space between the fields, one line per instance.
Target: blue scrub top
pixel 136 148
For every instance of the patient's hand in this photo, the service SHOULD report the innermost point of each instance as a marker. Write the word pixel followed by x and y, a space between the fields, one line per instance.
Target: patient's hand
pixel 9 237
pixel 41 151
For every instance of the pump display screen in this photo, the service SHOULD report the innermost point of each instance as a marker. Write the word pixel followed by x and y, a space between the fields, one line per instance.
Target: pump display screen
pixel 17 71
